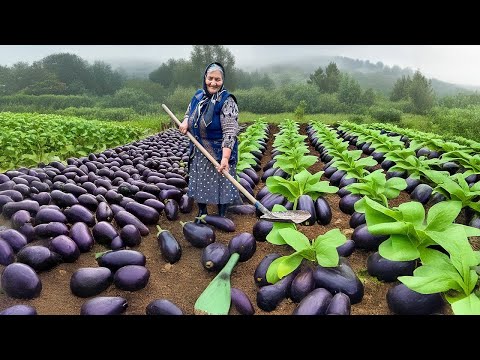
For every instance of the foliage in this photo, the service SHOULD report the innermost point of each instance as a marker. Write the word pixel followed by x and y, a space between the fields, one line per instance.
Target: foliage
pixel 300 110
pixel 386 114
pixel 349 91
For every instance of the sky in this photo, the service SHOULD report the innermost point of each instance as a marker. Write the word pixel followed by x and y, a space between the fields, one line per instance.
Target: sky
pixel 459 64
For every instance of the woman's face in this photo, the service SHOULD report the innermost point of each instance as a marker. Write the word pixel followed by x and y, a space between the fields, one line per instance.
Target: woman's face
pixel 214 81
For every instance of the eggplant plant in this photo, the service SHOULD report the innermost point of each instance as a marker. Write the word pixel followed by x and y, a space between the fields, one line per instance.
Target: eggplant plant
pixel 322 250
pixel 353 164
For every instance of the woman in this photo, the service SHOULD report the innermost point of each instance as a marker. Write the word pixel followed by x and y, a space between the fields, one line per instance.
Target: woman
pixel 212 118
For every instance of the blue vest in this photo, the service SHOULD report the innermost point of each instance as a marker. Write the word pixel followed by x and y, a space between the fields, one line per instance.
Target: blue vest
pixel 214 134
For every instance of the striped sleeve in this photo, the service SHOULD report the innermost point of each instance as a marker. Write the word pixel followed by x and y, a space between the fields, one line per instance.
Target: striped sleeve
pixel 229 123
pixel 187 112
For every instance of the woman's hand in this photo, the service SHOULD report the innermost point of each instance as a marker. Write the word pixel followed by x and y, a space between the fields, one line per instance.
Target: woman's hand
pixel 223 165
pixel 184 127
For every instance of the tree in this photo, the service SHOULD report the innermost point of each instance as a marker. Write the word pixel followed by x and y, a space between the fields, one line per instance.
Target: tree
pixel 106 81
pixel 421 93
pixel 318 79
pixel 401 89
pixel 349 91
pixel 368 97
pixel 202 55
pixel 332 79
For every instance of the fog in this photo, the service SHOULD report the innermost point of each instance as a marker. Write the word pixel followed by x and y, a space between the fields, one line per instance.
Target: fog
pixel 451 63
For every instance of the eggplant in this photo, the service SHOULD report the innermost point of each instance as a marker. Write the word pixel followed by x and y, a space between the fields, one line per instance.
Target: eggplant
pixel 141 196
pixel 245 209
pixel 186 204
pixel 357 219
pixel 50 230
pixel 339 279
pixel 346 249
pixel 82 236
pixel 403 301
pixel 131 277
pixel 11 208
pixel 116 259
pixel 261 229
pixel 144 213
pixel 88 201
pixel 20 281
pixel 215 256
pixel 117 243
pixel 437 197
pixel 347 203
pixel 65 247
pixel 199 235
pixel 19 310
pixel 388 270
pixel 315 303
pixel 243 244
pixel 252 174
pixel 171 209
pixel 323 211
pixel 79 213
pixel 241 302
pixel 39 258
pixel 7 256
pixel 130 235
pixel 169 246
pixel 422 193
pixel 47 215
pixel 162 307
pixel 219 222
pixel 269 201
pixel 62 199
pixel 4 199
pixel 411 184
pixel 177 182
pixel 364 240
pixel 20 218
pixel 157 205
pixel 247 178
pixel 104 212
pixel 104 232
pixel 263 192
pixel 123 218
pixel 302 285
pixel 260 275
pixel 269 296
pixel 339 305
pixel 13 194
pixel 104 305
pixel 14 238
pixel 305 202
pixel 90 281
pixel 74 189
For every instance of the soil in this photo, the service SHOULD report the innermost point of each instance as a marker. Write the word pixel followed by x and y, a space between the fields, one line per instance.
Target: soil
pixel 184 281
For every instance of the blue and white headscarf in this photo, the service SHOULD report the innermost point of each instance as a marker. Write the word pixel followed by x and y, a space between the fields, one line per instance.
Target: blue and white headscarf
pixel 208 101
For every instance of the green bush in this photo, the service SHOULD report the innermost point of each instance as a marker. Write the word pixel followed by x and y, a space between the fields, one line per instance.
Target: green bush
pixel 386 114
pixel 135 99
pixel 43 103
pixel 178 101
pixel 329 104
pixel 114 114
pixel 302 92
pixel 261 101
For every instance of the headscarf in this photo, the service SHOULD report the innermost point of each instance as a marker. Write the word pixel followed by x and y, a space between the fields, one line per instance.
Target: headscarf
pixel 208 101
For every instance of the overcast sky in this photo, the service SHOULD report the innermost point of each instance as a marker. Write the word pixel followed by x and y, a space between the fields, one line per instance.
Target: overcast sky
pixel 458 64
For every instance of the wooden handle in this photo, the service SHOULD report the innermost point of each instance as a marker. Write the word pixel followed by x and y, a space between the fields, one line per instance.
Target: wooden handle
pixel 212 159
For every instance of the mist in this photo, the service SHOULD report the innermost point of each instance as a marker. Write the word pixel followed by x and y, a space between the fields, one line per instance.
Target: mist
pixel 456 64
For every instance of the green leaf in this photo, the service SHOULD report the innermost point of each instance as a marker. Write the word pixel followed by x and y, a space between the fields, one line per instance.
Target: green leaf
pixel 437 282
pixel 272 271
pixel 289 264
pixel 398 248
pixel 412 212
pixel 274 237
pixel 295 239
pixel 469 305
pixel 442 214
pixel 398 227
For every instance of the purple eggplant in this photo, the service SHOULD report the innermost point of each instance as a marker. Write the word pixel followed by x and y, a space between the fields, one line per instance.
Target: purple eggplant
pixel 346 249
pixel 411 184
pixel 130 235
pixel 20 281
pixel 241 302
pixel 104 212
pixel 174 194
pixel 252 174
pixel 219 222
pixel 14 238
pixel 186 204
pixel 12 207
pixel 388 270
pixel 403 301
pixel 79 213
pixel 245 209
pixel 243 244
pixel 315 303
pixel 302 285
pixel 261 229
pixel 39 258
pixel 131 277
pixel 269 296
pixel 50 230
pixel 357 219
pixel 117 243
pixel 169 246
pixel 62 199
pixel 305 202
pixel 260 275
pixel 42 198
pixel 364 240
pixel 339 305
pixel 144 213
pixel 323 211
pixel 90 281
pixel 123 218
pixel 7 256
pixel 339 279
pixel 269 201
pixel 247 178
pixel 162 307
pixel 104 232
pixel 171 209
pixel 199 235
pixel 263 192
pixel 422 193
pixel 20 218
pixel 116 259
pixel 89 201
pixel 65 247
pixel 347 203
pixel 12 194
pixel 47 215
pixel 104 305
pixel 82 236
pixel 4 199
pixel 156 204
pixel 19 310
pixel 215 256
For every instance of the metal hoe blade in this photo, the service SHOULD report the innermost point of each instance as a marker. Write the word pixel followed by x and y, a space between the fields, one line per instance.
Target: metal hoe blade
pixel 295 216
